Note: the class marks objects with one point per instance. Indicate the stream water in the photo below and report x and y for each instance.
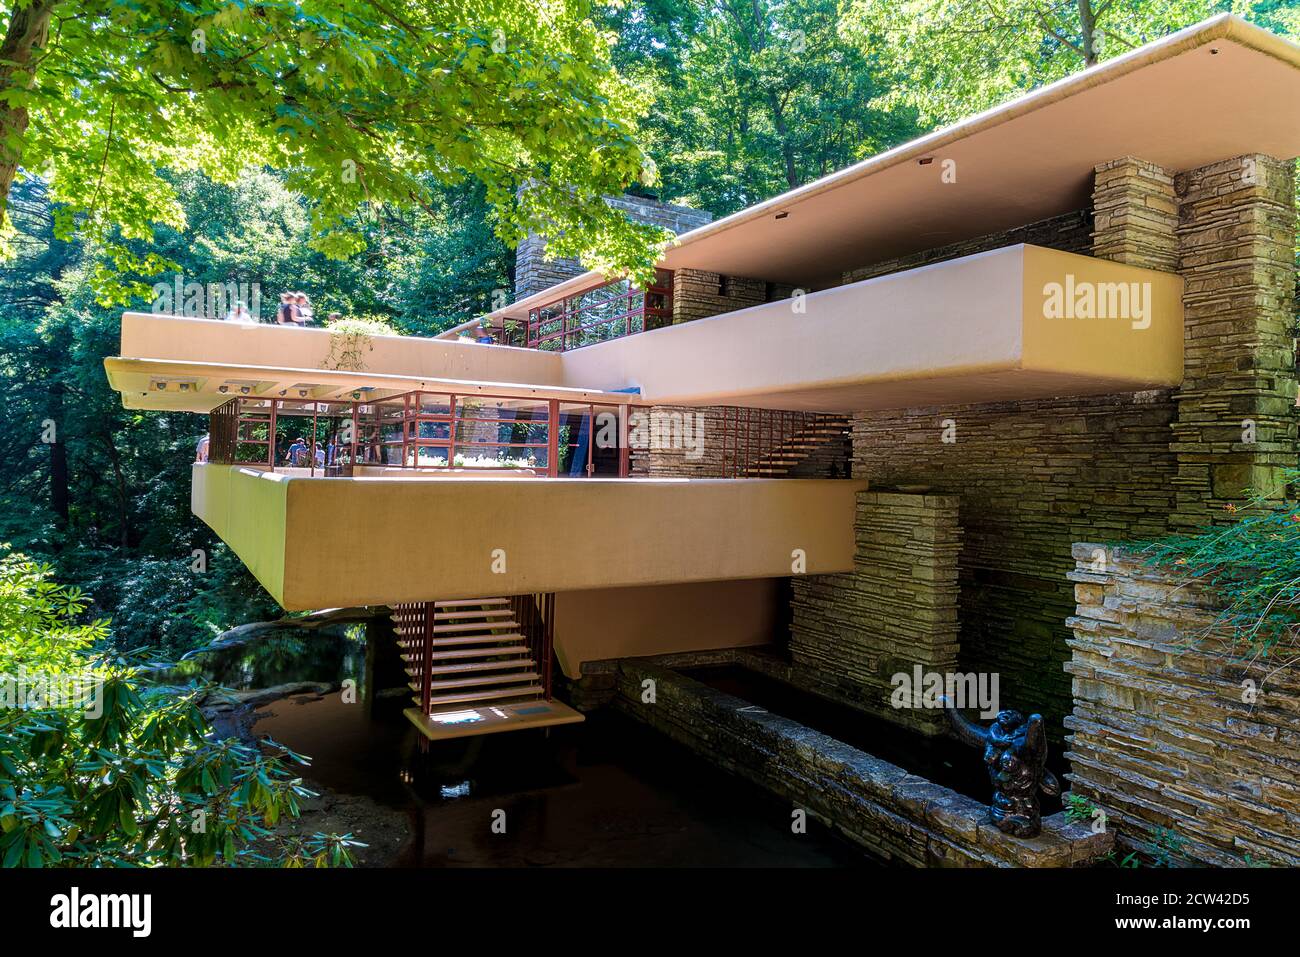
(604, 793)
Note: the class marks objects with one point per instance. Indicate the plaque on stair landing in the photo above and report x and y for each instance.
(456, 717)
(465, 723)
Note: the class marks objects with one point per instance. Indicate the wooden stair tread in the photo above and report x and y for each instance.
(495, 695)
(475, 626)
(474, 682)
(513, 637)
(514, 678)
(511, 650)
(471, 613)
(475, 666)
(466, 602)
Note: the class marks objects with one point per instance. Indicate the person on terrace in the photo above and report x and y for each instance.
(286, 314)
(296, 451)
(303, 306)
(239, 313)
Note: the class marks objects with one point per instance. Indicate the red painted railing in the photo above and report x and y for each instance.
(610, 310)
(425, 431)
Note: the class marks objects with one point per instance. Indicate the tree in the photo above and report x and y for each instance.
(752, 97)
(365, 105)
(99, 769)
(954, 58)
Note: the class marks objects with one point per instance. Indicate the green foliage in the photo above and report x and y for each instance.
(1164, 849)
(98, 769)
(365, 107)
(1078, 809)
(751, 99)
(954, 58)
(350, 340)
(1253, 563)
(108, 502)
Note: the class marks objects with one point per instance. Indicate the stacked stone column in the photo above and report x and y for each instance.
(1236, 426)
(1229, 229)
(852, 633)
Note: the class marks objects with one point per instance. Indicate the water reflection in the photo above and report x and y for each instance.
(605, 793)
(326, 655)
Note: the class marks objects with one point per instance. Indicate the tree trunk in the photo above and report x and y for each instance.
(783, 134)
(28, 28)
(1088, 31)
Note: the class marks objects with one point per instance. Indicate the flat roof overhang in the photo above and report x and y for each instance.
(326, 542)
(975, 329)
(193, 359)
(1219, 89)
(205, 354)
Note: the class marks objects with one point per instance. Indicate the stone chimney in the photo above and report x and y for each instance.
(534, 272)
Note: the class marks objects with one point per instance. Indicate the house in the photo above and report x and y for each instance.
(883, 407)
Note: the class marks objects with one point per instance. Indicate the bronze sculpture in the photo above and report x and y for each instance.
(1015, 752)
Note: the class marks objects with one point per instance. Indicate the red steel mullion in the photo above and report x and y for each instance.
(406, 418)
(270, 446)
(356, 439)
(426, 658)
(591, 440)
(547, 639)
(451, 434)
(624, 454)
(552, 438)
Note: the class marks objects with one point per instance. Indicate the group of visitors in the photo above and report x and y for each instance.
(299, 453)
(294, 309)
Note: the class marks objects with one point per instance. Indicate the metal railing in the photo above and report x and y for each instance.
(536, 616)
(760, 443)
(424, 431)
(610, 310)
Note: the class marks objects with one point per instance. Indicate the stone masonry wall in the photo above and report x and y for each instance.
(898, 608)
(1033, 477)
(1135, 214)
(1071, 233)
(534, 272)
(899, 817)
(698, 294)
(1236, 238)
(1163, 732)
(1036, 476)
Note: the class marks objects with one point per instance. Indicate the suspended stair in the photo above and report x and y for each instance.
(770, 443)
(479, 665)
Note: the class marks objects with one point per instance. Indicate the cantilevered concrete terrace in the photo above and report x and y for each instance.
(384, 539)
(1019, 322)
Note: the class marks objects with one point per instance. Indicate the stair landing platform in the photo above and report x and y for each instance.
(488, 719)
